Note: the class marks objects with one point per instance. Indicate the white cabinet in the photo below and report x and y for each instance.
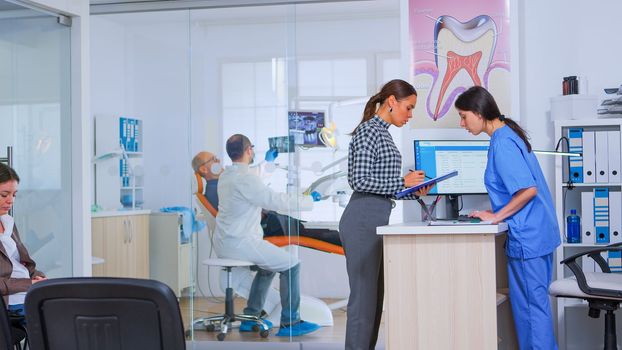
(118, 162)
(575, 329)
(170, 257)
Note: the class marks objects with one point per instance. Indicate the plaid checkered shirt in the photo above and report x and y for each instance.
(374, 162)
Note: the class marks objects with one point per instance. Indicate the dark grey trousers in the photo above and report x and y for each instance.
(363, 248)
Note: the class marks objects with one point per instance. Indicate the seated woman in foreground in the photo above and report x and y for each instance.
(17, 269)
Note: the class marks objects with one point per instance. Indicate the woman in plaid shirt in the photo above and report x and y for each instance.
(374, 173)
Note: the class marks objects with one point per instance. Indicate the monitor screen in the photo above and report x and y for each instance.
(283, 144)
(305, 126)
(441, 157)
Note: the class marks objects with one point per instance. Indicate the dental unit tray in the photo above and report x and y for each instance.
(433, 181)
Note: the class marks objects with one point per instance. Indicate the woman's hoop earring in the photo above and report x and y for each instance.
(390, 109)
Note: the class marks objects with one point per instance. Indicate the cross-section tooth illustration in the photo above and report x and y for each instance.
(463, 54)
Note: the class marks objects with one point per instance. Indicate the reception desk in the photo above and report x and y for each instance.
(446, 287)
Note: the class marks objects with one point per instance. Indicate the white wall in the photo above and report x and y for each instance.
(560, 38)
(141, 69)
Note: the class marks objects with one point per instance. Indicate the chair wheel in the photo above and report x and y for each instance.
(221, 336)
(264, 334)
(210, 328)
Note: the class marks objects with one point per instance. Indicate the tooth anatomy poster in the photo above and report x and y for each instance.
(455, 45)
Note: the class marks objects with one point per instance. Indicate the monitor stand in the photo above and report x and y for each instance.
(453, 205)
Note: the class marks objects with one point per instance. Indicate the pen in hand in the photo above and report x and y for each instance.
(426, 176)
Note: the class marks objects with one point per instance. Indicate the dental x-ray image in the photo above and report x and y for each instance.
(283, 144)
(304, 127)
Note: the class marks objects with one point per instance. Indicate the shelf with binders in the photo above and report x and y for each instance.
(119, 171)
(595, 166)
(591, 184)
(131, 134)
(600, 210)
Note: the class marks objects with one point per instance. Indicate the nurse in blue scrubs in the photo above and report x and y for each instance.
(519, 196)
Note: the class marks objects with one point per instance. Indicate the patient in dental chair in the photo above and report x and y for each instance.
(208, 166)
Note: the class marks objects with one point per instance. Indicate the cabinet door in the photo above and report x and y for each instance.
(97, 245)
(183, 270)
(138, 246)
(110, 236)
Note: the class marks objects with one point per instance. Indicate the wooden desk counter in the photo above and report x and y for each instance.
(442, 285)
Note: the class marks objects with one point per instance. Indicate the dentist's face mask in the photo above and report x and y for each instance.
(253, 152)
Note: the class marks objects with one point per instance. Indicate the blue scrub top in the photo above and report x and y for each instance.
(533, 230)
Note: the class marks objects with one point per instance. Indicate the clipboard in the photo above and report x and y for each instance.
(429, 182)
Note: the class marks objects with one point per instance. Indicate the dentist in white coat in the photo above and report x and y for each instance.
(238, 235)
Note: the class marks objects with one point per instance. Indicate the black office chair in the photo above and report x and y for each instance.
(103, 313)
(11, 335)
(602, 290)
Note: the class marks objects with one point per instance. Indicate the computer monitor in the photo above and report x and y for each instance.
(305, 126)
(441, 157)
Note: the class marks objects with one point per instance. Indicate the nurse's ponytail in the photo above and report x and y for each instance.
(517, 129)
(478, 100)
(397, 87)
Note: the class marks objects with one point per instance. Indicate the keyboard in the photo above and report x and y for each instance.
(466, 218)
(457, 222)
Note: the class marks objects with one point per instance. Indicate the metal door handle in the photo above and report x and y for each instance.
(126, 233)
(131, 223)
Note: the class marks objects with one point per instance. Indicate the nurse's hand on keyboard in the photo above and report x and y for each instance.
(484, 215)
(467, 218)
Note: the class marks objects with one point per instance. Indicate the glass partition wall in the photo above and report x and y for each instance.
(196, 77)
(35, 124)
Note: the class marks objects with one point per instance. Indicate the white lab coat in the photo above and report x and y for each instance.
(238, 233)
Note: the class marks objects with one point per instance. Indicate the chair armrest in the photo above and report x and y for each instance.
(571, 262)
(604, 267)
(594, 253)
